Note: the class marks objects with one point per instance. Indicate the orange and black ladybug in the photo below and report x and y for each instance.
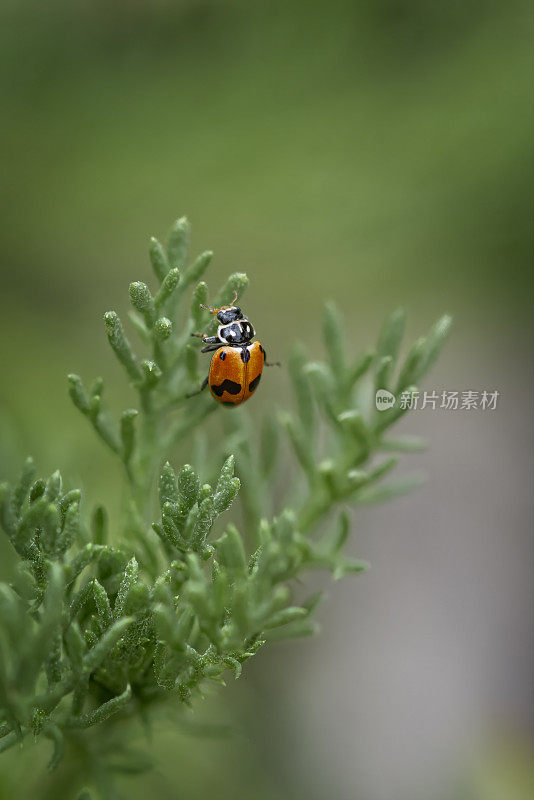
(237, 362)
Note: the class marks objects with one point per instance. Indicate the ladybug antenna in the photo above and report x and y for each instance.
(216, 310)
(207, 308)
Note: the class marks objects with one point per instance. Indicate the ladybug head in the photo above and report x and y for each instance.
(226, 314)
(229, 314)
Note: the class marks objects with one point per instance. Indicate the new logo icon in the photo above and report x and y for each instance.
(384, 400)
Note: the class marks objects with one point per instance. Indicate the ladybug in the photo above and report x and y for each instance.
(237, 362)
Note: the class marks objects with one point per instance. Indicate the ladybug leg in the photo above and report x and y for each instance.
(269, 363)
(207, 339)
(204, 384)
(212, 347)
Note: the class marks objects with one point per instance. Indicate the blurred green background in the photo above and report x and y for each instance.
(375, 151)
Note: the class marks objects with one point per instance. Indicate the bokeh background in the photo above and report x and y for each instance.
(375, 151)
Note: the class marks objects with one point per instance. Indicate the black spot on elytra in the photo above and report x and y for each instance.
(245, 355)
(252, 385)
(226, 386)
(222, 355)
(264, 353)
